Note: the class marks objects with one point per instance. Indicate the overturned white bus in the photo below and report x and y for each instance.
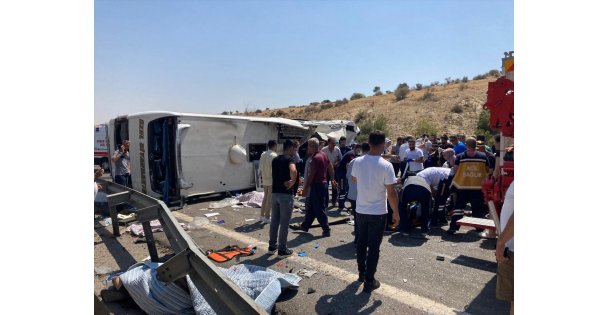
(178, 155)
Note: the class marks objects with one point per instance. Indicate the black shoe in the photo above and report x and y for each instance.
(286, 252)
(272, 249)
(361, 277)
(371, 286)
(451, 231)
(326, 234)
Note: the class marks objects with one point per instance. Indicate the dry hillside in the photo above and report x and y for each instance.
(403, 116)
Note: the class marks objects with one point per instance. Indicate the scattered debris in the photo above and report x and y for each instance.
(305, 273)
(404, 280)
(224, 203)
(107, 221)
(351, 222)
(342, 241)
(302, 253)
(249, 220)
(221, 221)
(204, 209)
(139, 240)
(146, 259)
(209, 215)
(311, 290)
(410, 258)
(317, 245)
(237, 206)
(280, 264)
(291, 270)
(441, 258)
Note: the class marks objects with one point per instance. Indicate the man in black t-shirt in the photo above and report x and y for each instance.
(284, 177)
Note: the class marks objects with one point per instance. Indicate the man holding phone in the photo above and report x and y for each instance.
(122, 163)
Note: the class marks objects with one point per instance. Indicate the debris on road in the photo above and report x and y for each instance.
(305, 273)
(404, 280)
(302, 253)
(249, 220)
(311, 290)
(317, 245)
(209, 215)
(441, 258)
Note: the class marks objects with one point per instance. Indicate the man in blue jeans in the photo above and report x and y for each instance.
(122, 163)
(284, 177)
(375, 179)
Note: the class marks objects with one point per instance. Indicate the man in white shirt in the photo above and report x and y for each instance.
(266, 177)
(436, 177)
(411, 156)
(335, 156)
(375, 180)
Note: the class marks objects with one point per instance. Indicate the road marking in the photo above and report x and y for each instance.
(404, 297)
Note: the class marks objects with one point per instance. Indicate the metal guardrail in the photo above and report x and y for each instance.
(219, 291)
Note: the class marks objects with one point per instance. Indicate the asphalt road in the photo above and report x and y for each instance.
(414, 280)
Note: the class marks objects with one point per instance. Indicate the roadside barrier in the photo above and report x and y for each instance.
(222, 295)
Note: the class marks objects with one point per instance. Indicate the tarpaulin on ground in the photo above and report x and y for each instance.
(153, 296)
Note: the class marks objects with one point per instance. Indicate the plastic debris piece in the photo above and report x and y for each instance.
(351, 222)
(305, 273)
(204, 209)
(108, 221)
(404, 280)
(249, 220)
(441, 258)
(280, 264)
(302, 254)
(221, 221)
(311, 290)
(410, 258)
(317, 245)
(209, 215)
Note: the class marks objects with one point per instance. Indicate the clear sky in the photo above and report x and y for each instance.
(211, 56)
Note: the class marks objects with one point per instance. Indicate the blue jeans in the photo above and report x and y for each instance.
(282, 208)
(123, 180)
(315, 207)
(371, 229)
(343, 185)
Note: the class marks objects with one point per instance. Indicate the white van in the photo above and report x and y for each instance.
(178, 155)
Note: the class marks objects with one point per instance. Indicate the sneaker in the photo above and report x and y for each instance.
(286, 252)
(370, 286)
(326, 233)
(272, 249)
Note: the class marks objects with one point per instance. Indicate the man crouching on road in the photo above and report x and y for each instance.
(375, 180)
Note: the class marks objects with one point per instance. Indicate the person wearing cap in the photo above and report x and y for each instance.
(122, 163)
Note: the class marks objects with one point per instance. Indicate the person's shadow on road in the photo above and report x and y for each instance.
(347, 301)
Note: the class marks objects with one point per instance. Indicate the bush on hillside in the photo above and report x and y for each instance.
(376, 89)
(425, 127)
(457, 109)
(327, 106)
(380, 123)
(326, 101)
(360, 116)
(258, 111)
(494, 73)
(378, 93)
(419, 86)
(357, 96)
(465, 79)
(428, 96)
(479, 77)
(402, 91)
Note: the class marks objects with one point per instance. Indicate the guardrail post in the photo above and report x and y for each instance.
(150, 241)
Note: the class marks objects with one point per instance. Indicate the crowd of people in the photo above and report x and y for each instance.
(421, 181)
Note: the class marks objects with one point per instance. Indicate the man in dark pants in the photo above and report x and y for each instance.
(122, 163)
(375, 179)
(470, 169)
(415, 188)
(284, 177)
(316, 183)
